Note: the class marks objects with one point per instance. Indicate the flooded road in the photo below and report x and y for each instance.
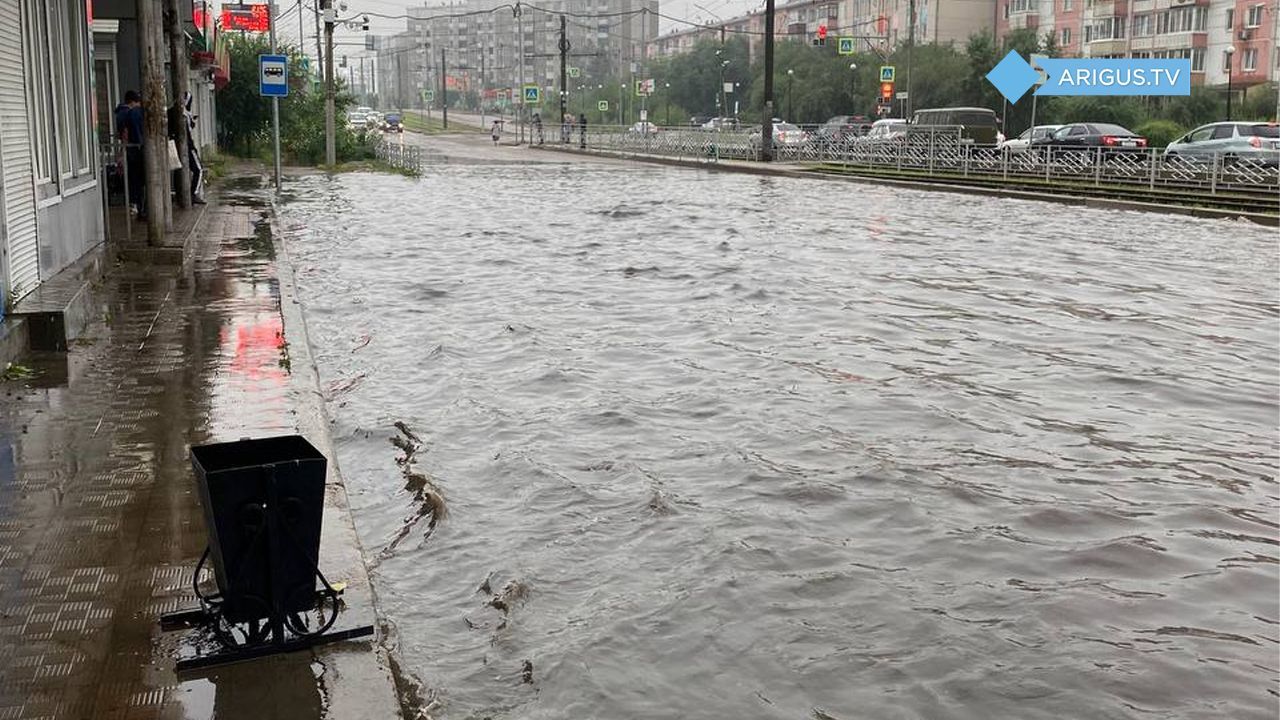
(722, 446)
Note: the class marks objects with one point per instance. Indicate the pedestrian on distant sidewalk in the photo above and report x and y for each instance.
(582, 123)
(495, 132)
(537, 126)
(566, 129)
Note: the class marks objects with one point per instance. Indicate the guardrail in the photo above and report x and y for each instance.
(943, 151)
(398, 154)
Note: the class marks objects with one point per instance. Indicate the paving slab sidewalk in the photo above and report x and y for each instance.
(100, 525)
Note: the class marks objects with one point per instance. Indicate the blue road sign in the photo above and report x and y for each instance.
(273, 75)
(532, 95)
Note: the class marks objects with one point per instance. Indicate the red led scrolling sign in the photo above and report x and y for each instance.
(250, 18)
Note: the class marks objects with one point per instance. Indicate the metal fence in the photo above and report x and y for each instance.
(397, 154)
(944, 152)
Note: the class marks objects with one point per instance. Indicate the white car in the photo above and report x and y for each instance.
(884, 130)
(1023, 141)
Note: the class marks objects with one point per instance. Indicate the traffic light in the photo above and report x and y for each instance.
(886, 91)
(821, 36)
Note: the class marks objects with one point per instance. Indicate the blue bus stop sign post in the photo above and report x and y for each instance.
(273, 76)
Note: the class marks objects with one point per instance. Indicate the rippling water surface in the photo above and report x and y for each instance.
(774, 448)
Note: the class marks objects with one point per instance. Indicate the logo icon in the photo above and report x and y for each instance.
(1013, 77)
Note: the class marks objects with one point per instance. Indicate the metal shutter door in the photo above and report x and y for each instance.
(15, 159)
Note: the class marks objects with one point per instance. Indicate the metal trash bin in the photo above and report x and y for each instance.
(263, 500)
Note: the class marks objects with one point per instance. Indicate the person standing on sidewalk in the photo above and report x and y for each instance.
(582, 123)
(180, 112)
(537, 126)
(495, 132)
(129, 126)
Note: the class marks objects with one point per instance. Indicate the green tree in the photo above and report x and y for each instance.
(244, 117)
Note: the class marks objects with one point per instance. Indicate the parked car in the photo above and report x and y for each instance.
(784, 133)
(391, 123)
(884, 130)
(1023, 141)
(843, 129)
(978, 126)
(643, 127)
(721, 123)
(1087, 135)
(1232, 140)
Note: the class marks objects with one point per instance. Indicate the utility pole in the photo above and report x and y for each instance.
(317, 6)
(520, 89)
(766, 123)
(302, 33)
(911, 44)
(154, 145)
(275, 101)
(178, 59)
(724, 101)
(363, 93)
(444, 90)
(483, 84)
(330, 144)
(564, 57)
(644, 54)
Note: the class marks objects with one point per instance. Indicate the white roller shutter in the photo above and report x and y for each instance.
(19, 205)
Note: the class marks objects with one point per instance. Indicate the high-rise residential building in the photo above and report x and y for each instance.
(877, 24)
(474, 46)
(1201, 31)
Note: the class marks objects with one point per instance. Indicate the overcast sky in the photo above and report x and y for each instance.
(697, 11)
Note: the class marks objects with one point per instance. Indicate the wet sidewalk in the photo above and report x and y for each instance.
(100, 525)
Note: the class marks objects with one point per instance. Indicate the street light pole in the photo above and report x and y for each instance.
(667, 97)
(330, 146)
(791, 99)
(853, 88)
(1231, 51)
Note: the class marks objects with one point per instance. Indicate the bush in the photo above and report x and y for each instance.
(1160, 133)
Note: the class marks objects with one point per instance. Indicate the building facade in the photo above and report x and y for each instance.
(50, 196)
(476, 47)
(877, 25)
(1201, 31)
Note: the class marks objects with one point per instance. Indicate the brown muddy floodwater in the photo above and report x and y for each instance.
(721, 446)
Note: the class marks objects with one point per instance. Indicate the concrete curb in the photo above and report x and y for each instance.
(360, 684)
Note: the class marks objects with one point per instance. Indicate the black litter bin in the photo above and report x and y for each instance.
(263, 500)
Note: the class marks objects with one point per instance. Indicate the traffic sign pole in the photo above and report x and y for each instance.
(275, 101)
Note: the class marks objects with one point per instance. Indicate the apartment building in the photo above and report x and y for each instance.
(476, 45)
(877, 24)
(1202, 31)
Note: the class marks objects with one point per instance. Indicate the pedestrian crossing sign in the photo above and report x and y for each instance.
(602, 105)
(575, 72)
(532, 94)
(887, 73)
(428, 95)
(846, 46)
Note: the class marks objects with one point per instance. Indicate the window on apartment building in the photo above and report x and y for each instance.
(1255, 16)
(1197, 60)
(1249, 60)
(1141, 25)
(1231, 18)
(1226, 61)
(1066, 5)
(1066, 36)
